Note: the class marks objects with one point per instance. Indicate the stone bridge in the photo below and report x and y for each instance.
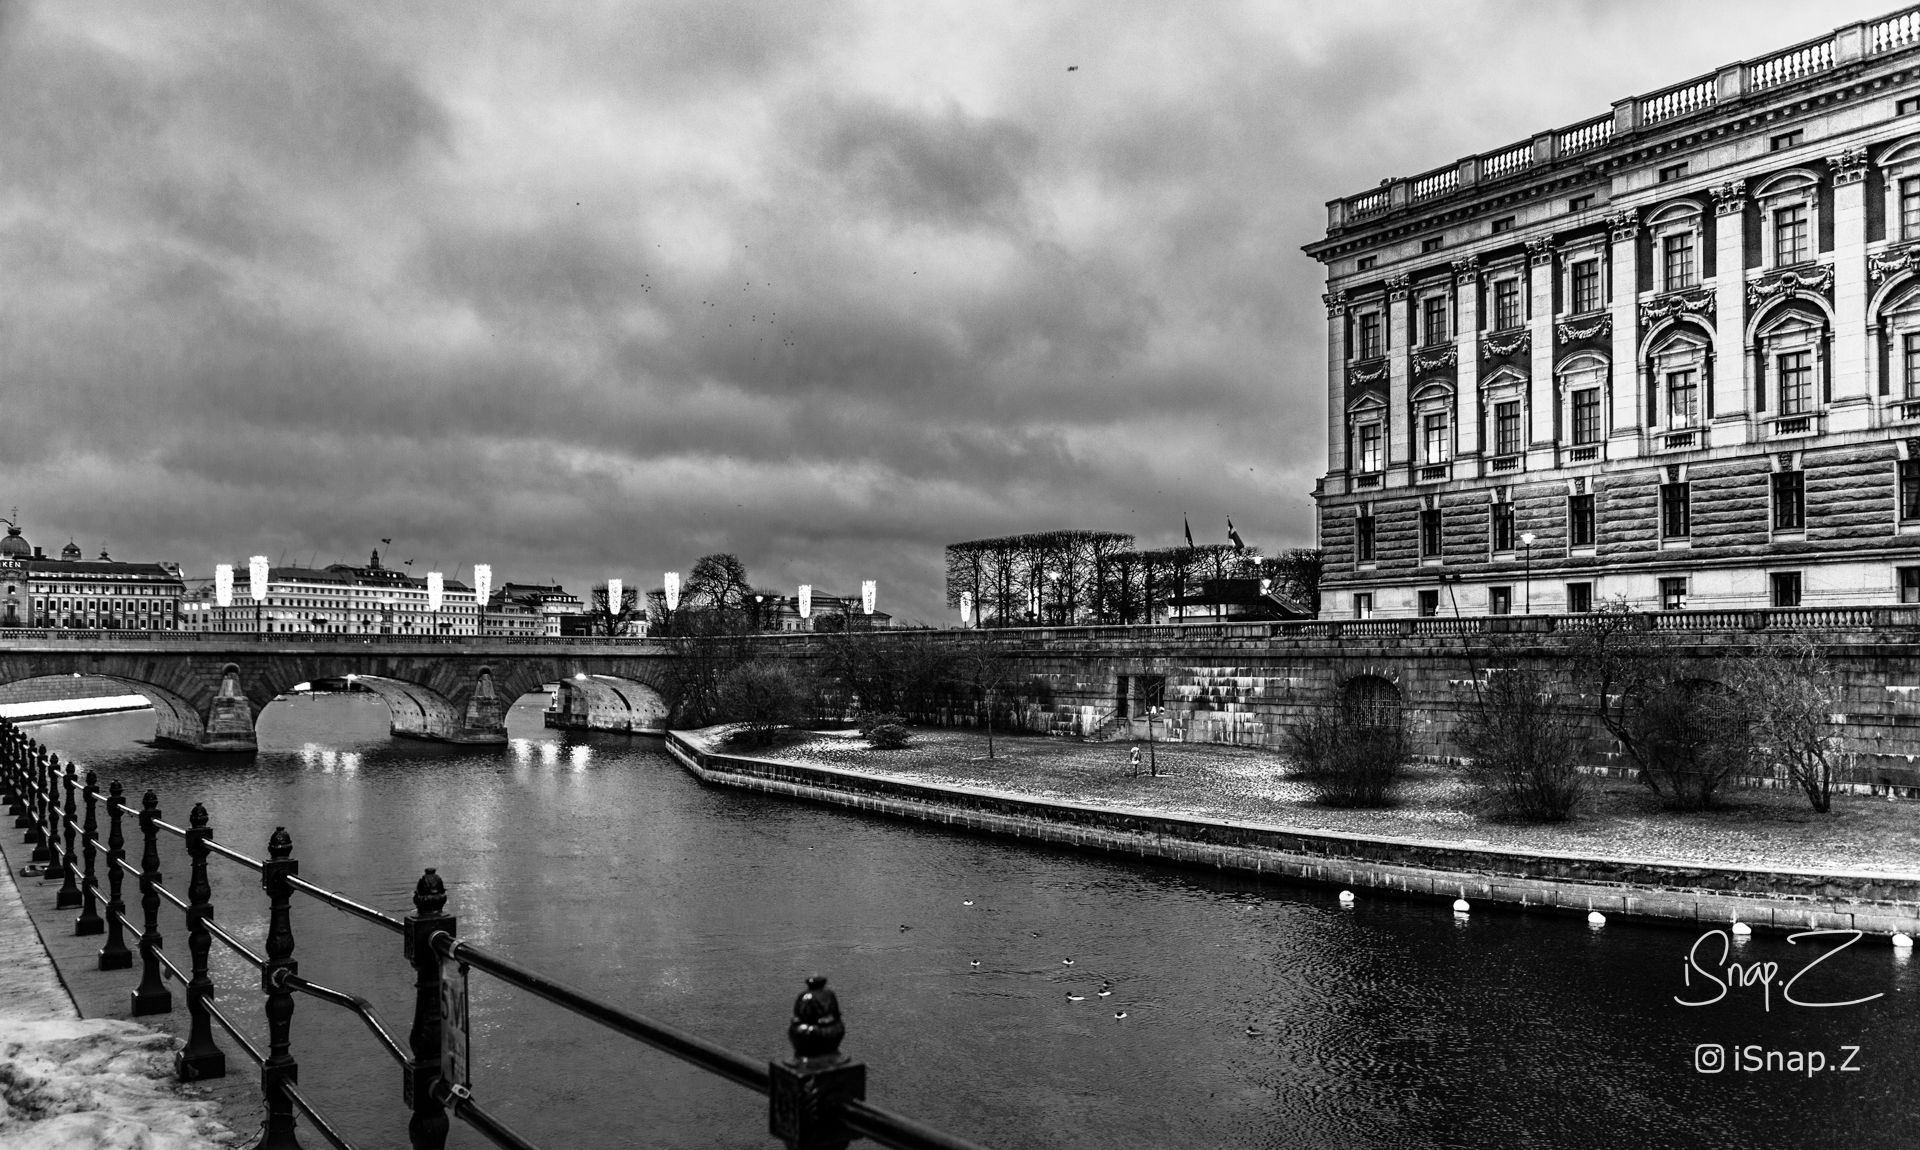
(208, 689)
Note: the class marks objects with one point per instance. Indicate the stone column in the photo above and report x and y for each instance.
(1732, 389)
(1540, 390)
(1852, 407)
(1399, 343)
(1336, 381)
(1466, 347)
(1628, 394)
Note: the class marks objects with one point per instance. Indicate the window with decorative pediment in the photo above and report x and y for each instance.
(1503, 396)
(1900, 165)
(1677, 244)
(1433, 415)
(1583, 384)
(1899, 324)
(1367, 434)
(1677, 371)
(1792, 348)
(1789, 216)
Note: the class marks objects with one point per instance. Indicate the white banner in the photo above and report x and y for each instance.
(614, 591)
(482, 583)
(866, 596)
(223, 585)
(806, 600)
(436, 591)
(257, 578)
(966, 606)
(673, 590)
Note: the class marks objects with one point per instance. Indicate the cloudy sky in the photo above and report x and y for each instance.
(590, 289)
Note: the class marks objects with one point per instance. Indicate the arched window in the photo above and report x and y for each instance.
(1583, 406)
(1679, 244)
(1433, 422)
(1789, 218)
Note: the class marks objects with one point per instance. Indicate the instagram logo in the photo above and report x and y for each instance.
(1709, 1058)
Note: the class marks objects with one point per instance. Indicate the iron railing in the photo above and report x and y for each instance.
(816, 1098)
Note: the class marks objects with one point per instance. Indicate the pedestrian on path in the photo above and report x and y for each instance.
(1136, 762)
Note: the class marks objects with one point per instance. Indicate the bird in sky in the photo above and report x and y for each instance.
(388, 542)
(1073, 67)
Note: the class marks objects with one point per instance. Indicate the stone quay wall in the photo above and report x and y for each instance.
(1697, 893)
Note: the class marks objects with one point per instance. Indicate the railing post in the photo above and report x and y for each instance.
(806, 1093)
(69, 896)
(38, 822)
(200, 1058)
(279, 1067)
(115, 955)
(89, 920)
(427, 1129)
(152, 995)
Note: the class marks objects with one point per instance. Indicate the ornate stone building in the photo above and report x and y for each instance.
(1671, 353)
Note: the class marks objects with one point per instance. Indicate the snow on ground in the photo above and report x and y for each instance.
(96, 1084)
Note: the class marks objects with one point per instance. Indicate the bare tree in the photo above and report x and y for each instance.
(987, 667)
(605, 618)
(719, 582)
(1789, 693)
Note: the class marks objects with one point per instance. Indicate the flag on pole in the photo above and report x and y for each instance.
(1238, 544)
(1189, 528)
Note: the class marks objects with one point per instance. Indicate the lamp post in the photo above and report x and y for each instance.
(1526, 541)
(759, 616)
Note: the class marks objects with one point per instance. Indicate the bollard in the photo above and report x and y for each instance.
(89, 921)
(807, 1092)
(115, 955)
(152, 995)
(279, 1067)
(200, 1058)
(69, 896)
(427, 1128)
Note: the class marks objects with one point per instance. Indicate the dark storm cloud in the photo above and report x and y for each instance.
(596, 290)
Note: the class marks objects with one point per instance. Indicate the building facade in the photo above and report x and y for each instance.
(98, 593)
(1670, 354)
(337, 599)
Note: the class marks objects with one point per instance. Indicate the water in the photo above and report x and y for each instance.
(1256, 1015)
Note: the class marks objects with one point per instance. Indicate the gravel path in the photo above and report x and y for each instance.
(1621, 819)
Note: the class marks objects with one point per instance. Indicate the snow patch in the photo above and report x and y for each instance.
(94, 1084)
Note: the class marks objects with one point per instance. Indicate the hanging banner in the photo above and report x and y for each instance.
(966, 606)
(673, 590)
(436, 591)
(806, 600)
(866, 596)
(257, 578)
(223, 585)
(482, 583)
(615, 590)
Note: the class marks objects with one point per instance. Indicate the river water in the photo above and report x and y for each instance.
(1255, 1015)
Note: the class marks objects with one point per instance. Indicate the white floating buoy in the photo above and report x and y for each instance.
(1346, 896)
(1461, 905)
(1903, 942)
(1596, 918)
(1741, 928)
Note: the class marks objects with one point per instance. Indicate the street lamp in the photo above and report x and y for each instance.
(1526, 541)
(759, 615)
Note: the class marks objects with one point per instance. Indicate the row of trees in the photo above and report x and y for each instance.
(1067, 577)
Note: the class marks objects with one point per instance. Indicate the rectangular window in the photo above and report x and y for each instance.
(1503, 224)
(1579, 598)
(1792, 235)
(1506, 428)
(1579, 203)
(1363, 605)
(1909, 490)
(1363, 539)
(1429, 603)
(1433, 319)
(1683, 398)
(1435, 437)
(1910, 365)
(1909, 584)
(1586, 415)
(1676, 521)
(1910, 208)
(1432, 244)
(1786, 588)
(1672, 172)
(1580, 520)
(1680, 272)
(1367, 446)
(1795, 371)
(1907, 107)
(1367, 263)
(1430, 533)
(1789, 500)
(1506, 304)
(1785, 140)
(1503, 527)
(1499, 600)
(1586, 286)
(1369, 335)
(1673, 594)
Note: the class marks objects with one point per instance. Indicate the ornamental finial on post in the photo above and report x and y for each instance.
(816, 1030)
(807, 1095)
(198, 818)
(429, 894)
(279, 843)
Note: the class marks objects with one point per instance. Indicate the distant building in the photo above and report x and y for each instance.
(74, 592)
(1244, 600)
(825, 613)
(553, 603)
(337, 599)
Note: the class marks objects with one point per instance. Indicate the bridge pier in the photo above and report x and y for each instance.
(226, 728)
(605, 703)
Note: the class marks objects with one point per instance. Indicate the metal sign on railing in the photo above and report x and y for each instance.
(454, 1031)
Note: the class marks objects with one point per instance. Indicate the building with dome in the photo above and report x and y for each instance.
(71, 591)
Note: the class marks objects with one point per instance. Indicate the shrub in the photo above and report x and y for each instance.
(762, 696)
(1522, 747)
(1350, 755)
(888, 737)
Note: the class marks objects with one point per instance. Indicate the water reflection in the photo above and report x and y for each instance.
(1255, 1015)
